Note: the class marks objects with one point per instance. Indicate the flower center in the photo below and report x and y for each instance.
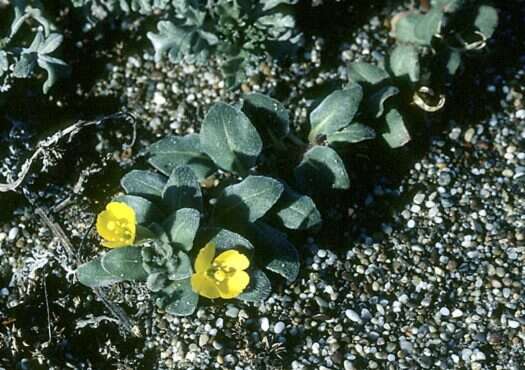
(120, 229)
(219, 272)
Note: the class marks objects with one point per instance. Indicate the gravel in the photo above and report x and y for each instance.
(428, 272)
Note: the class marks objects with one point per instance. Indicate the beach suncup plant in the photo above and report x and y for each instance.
(221, 240)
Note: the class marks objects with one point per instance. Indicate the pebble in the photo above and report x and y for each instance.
(279, 327)
(265, 324)
(232, 312)
(13, 233)
(352, 315)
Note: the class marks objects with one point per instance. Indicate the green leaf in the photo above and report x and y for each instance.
(404, 61)
(144, 183)
(182, 42)
(259, 288)
(54, 67)
(157, 281)
(174, 151)
(179, 268)
(297, 211)
(428, 26)
(182, 227)
(178, 298)
(454, 62)
(145, 211)
(248, 200)
(366, 72)
(321, 170)
(397, 134)
(156, 255)
(268, 115)
(354, 133)
(92, 274)
(144, 235)
(486, 20)
(405, 28)
(125, 263)
(25, 65)
(182, 190)
(234, 70)
(335, 112)
(279, 255)
(4, 62)
(448, 5)
(229, 138)
(376, 103)
(223, 239)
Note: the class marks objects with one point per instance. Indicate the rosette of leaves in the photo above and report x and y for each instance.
(255, 206)
(427, 49)
(432, 44)
(21, 61)
(239, 31)
(169, 211)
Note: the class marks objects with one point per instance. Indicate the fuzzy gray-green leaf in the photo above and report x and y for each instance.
(297, 211)
(280, 256)
(182, 227)
(397, 134)
(404, 61)
(146, 184)
(352, 134)
(125, 263)
(229, 138)
(336, 111)
(92, 274)
(366, 72)
(145, 210)
(376, 102)
(453, 62)
(182, 190)
(405, 29)
(156, 281)
(248, 200)
(267, 114)
(178, 298)
(428, 25)
(486, 20)
(179, 267)
(321, 170)
(4, 62)
(173, 151)
(223, 239)
(259, 288)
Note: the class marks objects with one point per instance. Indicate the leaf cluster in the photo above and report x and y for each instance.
(30, 41)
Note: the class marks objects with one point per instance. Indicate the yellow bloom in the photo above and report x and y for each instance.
(117, 225)
(223, 276)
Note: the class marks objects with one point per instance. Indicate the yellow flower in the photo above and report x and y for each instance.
(223, 276)
(117, 225)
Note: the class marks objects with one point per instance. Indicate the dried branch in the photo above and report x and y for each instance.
(45, 145)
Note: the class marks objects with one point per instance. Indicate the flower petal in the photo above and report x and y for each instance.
(121, 210)
(234, 285)
(115, 244)
(117, 225)
(233, 259)
(204, 258)
(204, 286)
(103, 219)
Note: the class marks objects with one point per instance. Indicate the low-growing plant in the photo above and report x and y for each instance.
(239, 32)
(430, 48)
(214, 191)
(29, 42)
